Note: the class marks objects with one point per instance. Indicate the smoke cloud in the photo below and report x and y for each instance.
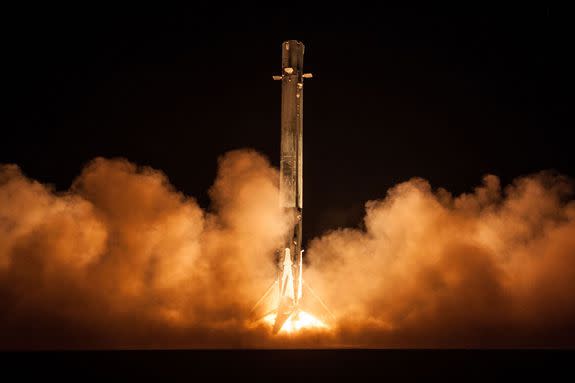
(123, 260)
(488, 269)
(122, 257)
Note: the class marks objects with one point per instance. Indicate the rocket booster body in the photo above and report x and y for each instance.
(291, 159)
(289, 283)
(291, 178)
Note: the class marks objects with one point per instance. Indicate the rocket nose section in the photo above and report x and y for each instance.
(293, 44)
(292, 56)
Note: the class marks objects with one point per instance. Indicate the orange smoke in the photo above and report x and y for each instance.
(122, 253)
(124, 260)
(490, 268)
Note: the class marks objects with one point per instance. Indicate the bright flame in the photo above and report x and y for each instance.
(296, 322)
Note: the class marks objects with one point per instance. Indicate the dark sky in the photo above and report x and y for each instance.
(444, 94)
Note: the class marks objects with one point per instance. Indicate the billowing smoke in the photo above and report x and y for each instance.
(124, 260)
(122, 257)
(493, 268)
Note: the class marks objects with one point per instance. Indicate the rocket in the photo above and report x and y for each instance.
(290, 281)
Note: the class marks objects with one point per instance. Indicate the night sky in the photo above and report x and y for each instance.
(444, 94)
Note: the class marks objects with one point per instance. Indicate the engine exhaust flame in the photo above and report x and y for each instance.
(296, 322)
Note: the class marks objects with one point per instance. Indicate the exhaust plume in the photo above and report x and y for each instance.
(122, 259)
